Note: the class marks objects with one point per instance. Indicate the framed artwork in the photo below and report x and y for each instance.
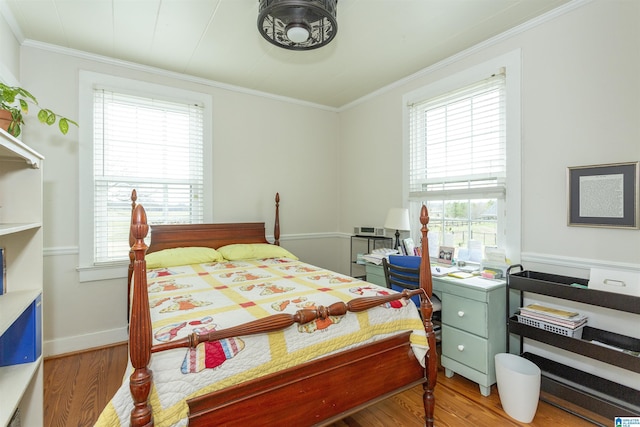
(446, 254)
(603, 195)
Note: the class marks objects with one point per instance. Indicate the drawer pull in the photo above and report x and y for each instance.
(461, 313)
(460, 347)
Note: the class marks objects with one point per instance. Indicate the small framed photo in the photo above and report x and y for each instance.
(603, 195)
(446, 254)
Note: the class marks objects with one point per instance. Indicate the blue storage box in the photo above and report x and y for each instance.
(22, 342)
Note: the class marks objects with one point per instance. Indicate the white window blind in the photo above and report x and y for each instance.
(154, 146)
(457, 143)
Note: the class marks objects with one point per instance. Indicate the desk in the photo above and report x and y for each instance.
(473, 324)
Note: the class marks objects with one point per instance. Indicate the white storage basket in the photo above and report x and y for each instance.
(550, 327)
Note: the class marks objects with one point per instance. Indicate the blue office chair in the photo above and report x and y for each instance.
(403, 272)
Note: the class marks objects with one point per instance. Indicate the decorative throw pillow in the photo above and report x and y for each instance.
(182, 256)
(240, 251)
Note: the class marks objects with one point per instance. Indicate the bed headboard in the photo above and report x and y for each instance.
(208, 235)
(205, 235)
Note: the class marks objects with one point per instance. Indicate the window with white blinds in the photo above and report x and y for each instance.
(154, 146)
(457, 166)
(457, 143)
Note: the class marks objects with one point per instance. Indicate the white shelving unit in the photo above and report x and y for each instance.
(22, 238)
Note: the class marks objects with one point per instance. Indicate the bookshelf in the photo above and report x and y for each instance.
(21, 237)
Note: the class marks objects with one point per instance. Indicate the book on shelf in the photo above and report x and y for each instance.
(571, 324)
(408, 246)
(550, 311)
(567, 319)
(3, 275)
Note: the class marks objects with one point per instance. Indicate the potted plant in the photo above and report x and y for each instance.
(14, 102)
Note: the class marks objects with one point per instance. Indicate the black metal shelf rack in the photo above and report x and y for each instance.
(599, 395)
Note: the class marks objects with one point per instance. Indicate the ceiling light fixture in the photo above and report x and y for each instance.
(298, 24)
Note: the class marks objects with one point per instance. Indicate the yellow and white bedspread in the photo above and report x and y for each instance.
(204, 297)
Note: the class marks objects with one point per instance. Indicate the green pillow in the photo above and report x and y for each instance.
(182, 256)
(240, 251)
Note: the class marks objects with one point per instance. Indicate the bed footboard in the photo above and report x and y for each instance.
(315, 393)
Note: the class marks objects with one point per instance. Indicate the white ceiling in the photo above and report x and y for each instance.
(378, 41)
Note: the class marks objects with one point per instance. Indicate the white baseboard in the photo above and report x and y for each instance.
(83, 342)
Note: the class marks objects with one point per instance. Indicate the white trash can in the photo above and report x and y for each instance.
(518, 386)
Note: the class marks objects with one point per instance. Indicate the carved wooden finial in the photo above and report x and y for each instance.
(424, 216)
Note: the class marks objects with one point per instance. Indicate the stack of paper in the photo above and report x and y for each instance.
(439, 270)
(460, 274)
(378, 255)
(564, 318)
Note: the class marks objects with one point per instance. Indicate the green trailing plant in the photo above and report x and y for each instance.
(16, 101)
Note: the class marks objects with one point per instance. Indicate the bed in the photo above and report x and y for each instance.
(318, 388)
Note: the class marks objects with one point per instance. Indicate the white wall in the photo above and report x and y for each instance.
(10, 48)
(580, 106)
(261, 145)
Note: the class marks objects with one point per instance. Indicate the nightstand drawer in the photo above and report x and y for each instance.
(375, 274)
(465, 314)
(465, 348)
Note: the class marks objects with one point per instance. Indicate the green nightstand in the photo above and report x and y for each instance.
(375, 274)
(473, 324)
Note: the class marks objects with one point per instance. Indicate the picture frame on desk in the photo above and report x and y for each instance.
(603, 195)
(446, 254)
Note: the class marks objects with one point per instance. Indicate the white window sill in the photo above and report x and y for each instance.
(103, 272)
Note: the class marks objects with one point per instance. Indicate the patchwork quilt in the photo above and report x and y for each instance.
(205, 297)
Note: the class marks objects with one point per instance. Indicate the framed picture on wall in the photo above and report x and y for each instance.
(603, 195)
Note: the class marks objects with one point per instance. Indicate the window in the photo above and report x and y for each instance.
(146, 141)
(151, 145)
(457, 163)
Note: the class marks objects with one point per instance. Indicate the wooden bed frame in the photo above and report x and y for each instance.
(316, 393)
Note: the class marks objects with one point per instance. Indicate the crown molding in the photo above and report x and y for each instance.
(170, 74)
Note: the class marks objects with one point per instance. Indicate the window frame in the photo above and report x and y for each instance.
(88, 270)
(511, 62)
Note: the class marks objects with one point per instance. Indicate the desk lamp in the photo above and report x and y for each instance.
(398, 219)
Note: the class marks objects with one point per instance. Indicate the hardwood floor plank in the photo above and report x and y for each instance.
(77, 387)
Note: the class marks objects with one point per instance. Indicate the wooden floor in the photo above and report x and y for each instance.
(78, 386)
